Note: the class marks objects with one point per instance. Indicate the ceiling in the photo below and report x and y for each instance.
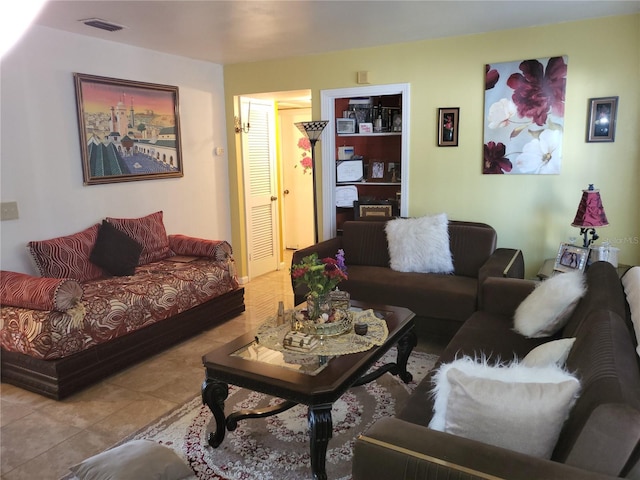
(227, 32)
(238, 31)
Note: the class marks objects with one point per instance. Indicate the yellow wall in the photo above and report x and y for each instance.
(531, 212)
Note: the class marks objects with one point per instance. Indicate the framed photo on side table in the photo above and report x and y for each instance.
(571, 257)
(448, 120)
(601, 122)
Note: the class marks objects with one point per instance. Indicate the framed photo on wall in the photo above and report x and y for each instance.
(128, 130)
(571, 257)
(601, 121)
(448, 121)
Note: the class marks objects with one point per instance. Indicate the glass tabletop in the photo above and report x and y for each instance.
(308, 364)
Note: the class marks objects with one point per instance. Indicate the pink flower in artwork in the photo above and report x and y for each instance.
(304, 143)
(306, 164)
(495, 161)
(538, 92)
(491, 77)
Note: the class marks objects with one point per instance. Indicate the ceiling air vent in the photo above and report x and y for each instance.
(102, 24)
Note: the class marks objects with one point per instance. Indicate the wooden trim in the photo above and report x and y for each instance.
(427, 458)
(505, 272)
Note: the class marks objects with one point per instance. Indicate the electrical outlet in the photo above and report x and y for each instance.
(9, 211)
(219, 151)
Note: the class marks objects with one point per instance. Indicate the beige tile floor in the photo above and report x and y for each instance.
(40, 438)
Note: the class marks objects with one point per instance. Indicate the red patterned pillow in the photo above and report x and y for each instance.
(185, 245)
(149, 232)
(38, 293)
(67, 257)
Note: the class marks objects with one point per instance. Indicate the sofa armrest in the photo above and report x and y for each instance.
(39, 293)
(503, 262)
(326, 248)
(502, 296)
(393, 448)
(186, 245)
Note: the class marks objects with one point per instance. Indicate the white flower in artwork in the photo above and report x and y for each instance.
(501, 113)
(542, 154)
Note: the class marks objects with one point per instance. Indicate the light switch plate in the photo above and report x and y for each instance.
(8, 210)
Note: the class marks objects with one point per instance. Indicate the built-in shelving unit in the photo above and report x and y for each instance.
(381, 151)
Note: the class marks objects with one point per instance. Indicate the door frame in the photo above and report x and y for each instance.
(327, 110)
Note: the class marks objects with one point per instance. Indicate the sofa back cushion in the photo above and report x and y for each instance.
(603, 430)
(604, 292)
(68, 256)
(365, 243)
(149, 232)
(471, 245)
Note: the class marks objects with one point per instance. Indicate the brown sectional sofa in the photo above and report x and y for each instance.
(441, 302)
(601, 437)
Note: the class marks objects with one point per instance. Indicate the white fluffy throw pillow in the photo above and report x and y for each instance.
(420, 244)
(547, 309)
(631, 283)
(510, 406)
(550, 353)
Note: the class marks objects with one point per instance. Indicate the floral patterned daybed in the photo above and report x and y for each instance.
(108, 296)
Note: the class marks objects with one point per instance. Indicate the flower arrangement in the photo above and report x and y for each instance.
(320, 275)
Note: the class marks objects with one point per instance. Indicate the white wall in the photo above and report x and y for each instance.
(40, 163)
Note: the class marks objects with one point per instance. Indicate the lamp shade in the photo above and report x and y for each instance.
(312, 130)
(590, 211)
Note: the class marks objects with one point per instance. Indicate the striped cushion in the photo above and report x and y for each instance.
(25, 291)
(149, 232)
(185, 245)
(67, 257)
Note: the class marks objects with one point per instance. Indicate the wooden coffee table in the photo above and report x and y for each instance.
(318, 387)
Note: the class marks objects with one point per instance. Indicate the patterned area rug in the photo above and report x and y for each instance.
(278, 447)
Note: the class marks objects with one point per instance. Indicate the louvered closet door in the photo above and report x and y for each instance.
(259, 157)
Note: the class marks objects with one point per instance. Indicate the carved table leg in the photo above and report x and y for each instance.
(214, 394)
(320, 431)
(405, 346)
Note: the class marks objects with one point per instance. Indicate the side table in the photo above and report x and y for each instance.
(546, 270)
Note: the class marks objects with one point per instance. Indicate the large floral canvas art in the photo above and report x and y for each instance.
(524, 116)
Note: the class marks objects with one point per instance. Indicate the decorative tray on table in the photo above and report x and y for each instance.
(339, 322)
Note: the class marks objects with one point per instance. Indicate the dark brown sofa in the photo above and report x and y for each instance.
(441, 302)
(601, 437)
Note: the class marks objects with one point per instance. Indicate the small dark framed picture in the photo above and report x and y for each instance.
(601, 121)
(448, 121)
(571, 257)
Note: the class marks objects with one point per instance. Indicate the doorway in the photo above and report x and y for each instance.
(278, 188)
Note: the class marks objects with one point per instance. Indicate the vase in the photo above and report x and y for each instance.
(317, 305)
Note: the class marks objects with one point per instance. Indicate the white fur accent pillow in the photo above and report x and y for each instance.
(550, 353)
(420, 244)
(631, 283)
(510, 406)
(547, 309)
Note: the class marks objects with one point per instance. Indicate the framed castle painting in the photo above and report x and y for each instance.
(128, 130)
